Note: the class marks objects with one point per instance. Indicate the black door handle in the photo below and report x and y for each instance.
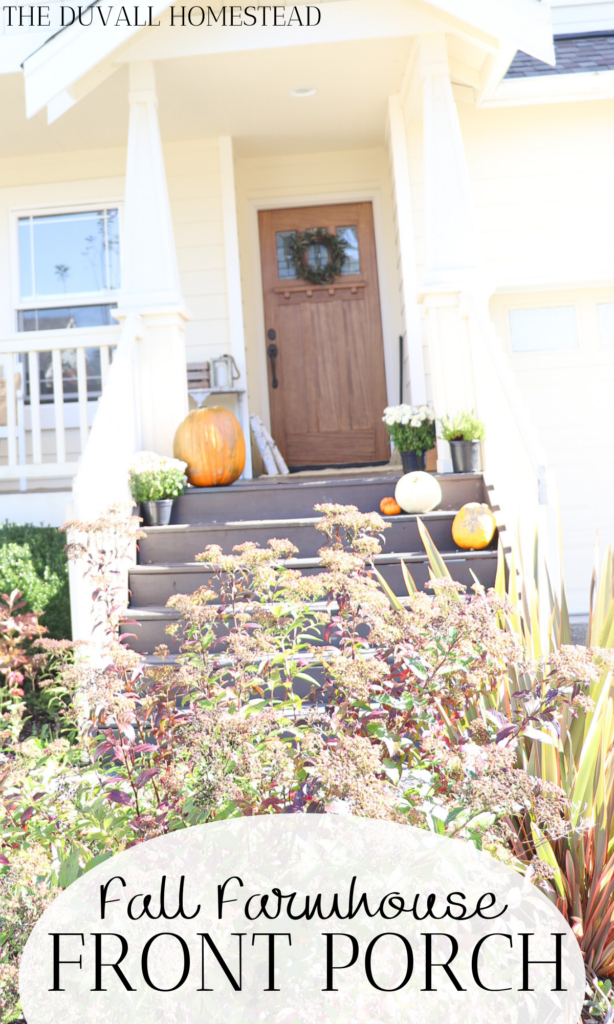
(272, 353)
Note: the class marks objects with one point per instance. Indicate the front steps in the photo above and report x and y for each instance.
(258, 510)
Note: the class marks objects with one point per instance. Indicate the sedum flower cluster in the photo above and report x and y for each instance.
(153, 477)
(411, 427)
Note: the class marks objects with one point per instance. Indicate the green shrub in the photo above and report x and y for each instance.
(33, 560)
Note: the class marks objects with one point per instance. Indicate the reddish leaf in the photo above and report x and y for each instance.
(146, 776)
(142, 748)
(3, 859)
(27, 814)
(118, 797)
(103, 748)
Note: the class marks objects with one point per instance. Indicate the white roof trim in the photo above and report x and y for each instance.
(77, 58)
(572, 88)
(526, 23)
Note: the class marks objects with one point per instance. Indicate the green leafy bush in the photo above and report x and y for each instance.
(33, 560)
(465, 426)
(153, 477)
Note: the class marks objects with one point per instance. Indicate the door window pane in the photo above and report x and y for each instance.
(352, 263)
(285, 266)
(606, 322)
(317, 254)
(543, 330)
(69, 253)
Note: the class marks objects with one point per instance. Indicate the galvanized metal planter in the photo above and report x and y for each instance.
(157, 513)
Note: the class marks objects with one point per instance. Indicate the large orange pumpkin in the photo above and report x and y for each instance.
(211, 442)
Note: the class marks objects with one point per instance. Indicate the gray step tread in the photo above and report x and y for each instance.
(300, 563)
(275, 523)
(322, 477)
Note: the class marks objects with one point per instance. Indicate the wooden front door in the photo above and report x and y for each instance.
(327, 384)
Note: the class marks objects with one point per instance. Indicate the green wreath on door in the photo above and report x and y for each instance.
(337, 257)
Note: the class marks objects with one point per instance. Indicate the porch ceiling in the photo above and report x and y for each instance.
(245, 95)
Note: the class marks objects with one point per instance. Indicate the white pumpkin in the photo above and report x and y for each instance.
(418, 492)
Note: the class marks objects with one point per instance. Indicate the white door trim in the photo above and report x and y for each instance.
(324, 199)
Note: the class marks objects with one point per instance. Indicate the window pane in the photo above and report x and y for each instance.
(65, 316)
(94, 376)
(45, 373)
(69, 375)
(25, 257)
(285, 266)
(352, 263)
(543, 330)
(73, 252)
(113, 249)
(606, 322)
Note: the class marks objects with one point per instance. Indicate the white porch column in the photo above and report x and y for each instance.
(233, 285)
(150, 275)
(451, 237)
(397, 138)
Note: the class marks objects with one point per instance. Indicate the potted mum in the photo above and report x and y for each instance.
(412, 429)
(155, 482)
(464, 433)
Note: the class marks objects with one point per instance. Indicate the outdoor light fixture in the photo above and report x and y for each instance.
(306, 90)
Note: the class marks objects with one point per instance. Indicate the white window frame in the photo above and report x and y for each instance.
(100, 298)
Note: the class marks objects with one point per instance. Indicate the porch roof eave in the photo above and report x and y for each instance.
(77, 58)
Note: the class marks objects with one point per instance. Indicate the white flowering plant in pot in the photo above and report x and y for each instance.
(155, 478)
(155, 481)
(411, 427)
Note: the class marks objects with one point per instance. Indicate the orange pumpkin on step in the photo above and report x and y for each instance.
(389, 507)
(211, 442)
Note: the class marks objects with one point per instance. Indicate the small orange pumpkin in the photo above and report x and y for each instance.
(211, 442)
(389, 507)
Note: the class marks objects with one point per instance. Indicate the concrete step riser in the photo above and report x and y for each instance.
(155, 588)
(294, 500)
(168, 545)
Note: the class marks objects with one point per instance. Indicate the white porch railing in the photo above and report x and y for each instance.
(49, 409)
(102, 477)
(516, 462)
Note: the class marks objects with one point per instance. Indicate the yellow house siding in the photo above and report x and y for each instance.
(542, 184)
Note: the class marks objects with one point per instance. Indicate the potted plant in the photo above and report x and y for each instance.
(412, 429)
(155, 482)
(464, 433)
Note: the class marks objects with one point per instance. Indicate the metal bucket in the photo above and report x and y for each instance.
(157, 513)
(411, 461)
(465, 456)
